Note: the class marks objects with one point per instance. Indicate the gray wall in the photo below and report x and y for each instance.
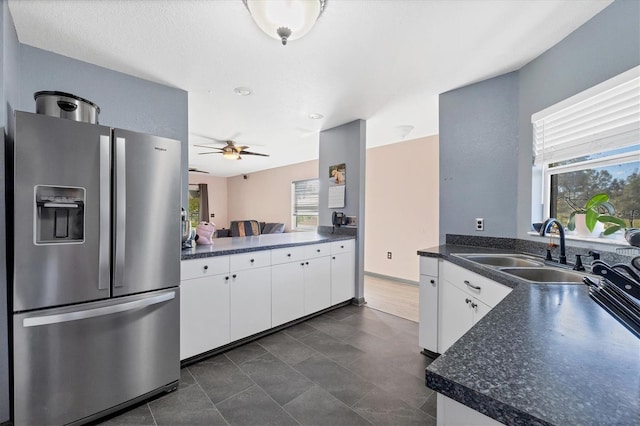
(607, 45)
(9, 82)
(125, 102)
(481, 168)
(478, 148)
(345, 144)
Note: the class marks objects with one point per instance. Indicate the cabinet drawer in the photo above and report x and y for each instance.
(317, 250)
(429, 266)
(342, 246)
(198, 268)
(484, 289)
(251, 260)
(286, 255)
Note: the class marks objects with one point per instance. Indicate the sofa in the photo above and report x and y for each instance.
(246, 228)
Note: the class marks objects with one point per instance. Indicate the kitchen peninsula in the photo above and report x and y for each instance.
(546, 354)
(240, 288)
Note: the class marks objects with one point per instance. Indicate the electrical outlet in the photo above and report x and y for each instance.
(352, 221)
(479, 224)
(388, 255)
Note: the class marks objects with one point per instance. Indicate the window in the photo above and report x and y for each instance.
(304, 204)
(194, 205)
(588, 144)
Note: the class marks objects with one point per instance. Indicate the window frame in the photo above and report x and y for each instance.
(609, 135)
(295, 212)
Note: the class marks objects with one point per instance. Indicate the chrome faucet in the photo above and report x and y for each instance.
(545, 228)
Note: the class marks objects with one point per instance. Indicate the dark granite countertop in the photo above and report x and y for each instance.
(235, 245)
(547, 355)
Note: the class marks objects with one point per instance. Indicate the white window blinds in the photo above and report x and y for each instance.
(305, 197)
(602, 118)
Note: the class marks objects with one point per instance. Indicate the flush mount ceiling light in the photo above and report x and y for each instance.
(243, 91)
(315, 116)
(285, 20)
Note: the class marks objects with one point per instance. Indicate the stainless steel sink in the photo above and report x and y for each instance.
(516, 260)
(546, 275)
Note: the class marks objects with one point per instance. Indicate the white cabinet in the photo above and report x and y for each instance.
(250, 302)
(452, 413)
(317, 284)
(428, 304)
(343, 284)
(204, 314)
(465, 297)
(204, 305)
(287, 292)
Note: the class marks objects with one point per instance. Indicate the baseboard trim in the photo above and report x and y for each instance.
(390, 278)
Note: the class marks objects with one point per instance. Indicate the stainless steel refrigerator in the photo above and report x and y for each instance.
(96, 267)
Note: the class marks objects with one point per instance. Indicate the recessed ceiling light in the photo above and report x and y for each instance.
(243, 91)
(315, 116)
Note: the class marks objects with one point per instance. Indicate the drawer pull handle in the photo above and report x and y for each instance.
(432, 282)
(334, 258)
(206, 267)
(467, 301)
(474, 305)
(233, 276)
(318, 250)
(302, 264)
(475, 287)
(306, 263)
(226, 278)
(252, 260)
(288, 254)
(341, 246)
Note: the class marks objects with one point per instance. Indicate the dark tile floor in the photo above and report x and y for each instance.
(350, 366)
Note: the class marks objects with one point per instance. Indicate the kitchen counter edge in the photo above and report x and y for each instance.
(236, 245)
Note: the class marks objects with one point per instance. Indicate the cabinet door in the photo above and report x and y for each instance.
(428, 302)
(317, 284)
(342, 277)
(287, 292)
(479, 309)
(455, 315)
(250, 307)
(204, 314)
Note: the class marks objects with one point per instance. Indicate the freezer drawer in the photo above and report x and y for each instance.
(71, 363)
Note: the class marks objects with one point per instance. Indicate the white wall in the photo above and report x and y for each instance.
(402, 199)
(266, 195)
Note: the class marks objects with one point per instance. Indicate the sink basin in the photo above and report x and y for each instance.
(546, 275)
(503, 260)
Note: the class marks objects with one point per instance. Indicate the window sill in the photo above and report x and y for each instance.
(619, 243)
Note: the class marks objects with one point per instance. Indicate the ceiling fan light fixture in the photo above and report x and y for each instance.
(285, 20)
(315, 116)
(231, 155)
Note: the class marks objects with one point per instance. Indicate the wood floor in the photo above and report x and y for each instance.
(392, 297)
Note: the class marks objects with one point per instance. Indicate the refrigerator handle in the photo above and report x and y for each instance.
(121, 212)
(97, 312)
(105, 213)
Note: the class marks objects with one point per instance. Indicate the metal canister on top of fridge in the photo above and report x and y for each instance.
(66, 105)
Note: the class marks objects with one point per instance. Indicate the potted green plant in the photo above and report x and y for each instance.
(596, 210)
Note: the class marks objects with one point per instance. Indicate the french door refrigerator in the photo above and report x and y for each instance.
(96, 267)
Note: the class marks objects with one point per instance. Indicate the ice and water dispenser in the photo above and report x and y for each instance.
(59, 214)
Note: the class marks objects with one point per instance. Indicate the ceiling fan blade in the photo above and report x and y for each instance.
(208, 147)
(208, 137)
(214, 152)
(253, 153)
(195, 170)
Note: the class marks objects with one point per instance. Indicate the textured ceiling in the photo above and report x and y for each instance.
(385, 61)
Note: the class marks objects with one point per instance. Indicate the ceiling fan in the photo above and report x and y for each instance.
(231, 151)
